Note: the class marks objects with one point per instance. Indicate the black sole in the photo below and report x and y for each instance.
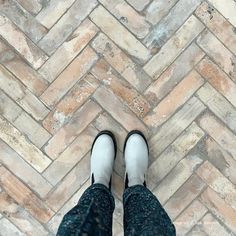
(107, 132)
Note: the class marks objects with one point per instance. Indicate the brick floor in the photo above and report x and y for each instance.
(71, 68)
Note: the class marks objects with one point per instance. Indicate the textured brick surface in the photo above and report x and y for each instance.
(69, 69)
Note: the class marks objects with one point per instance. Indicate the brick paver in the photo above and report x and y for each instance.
(69, 69)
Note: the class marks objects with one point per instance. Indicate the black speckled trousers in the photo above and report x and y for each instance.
(143, 214)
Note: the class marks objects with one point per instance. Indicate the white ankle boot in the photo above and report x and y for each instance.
(136, 158)
(102, 158)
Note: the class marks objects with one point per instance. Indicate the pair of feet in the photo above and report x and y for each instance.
(103, 154)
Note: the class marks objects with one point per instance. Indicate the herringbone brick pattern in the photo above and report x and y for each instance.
(71, 68)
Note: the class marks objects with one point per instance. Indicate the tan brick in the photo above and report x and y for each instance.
(218, 79)
(135, 22)
(106, 122)
(218, 105)
(158, 9)
(174, 126)
(20, 217)
(219, 208)
(174, 153)
(54, 9)
(33, 6)
(227, 9)
(122, 114)
(66, 25)
(135, 101)
(219, 133)
(24, 196)
(139, 5)
(22, 19)
(57, 218)
(218, 52)
(67, 79)
(184, 196)
(70, 184)
(71, 156)
(19, 143)
(170, 23)
(168, 53)
(75, 98)
(189, 217)
(212, 227)
(174, 74)
(26, 47)
(29, 77)
(221, 159)
(68, 50)
(175, 99)
(23, 97)
(176, 178)
(68, 133)
(218, 25)
(110, 26)
(133, 73)
(219, 183)
(118, 185)
(10, 159)
(7, 228)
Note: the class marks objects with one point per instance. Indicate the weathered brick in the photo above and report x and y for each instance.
(71, 156)
(218, 79)
(219, 133)
(68, 133)
(24, 196)
(18, 92)
(218, 52)
(218, 25)
(220, 184)
(135, 101)
(190, 217)
(174, 74)
(158, 9)
(227, 9)
(175, 99)
(122, 114)
(7, 228)
(135, 22)
(33, 6)
(25, 21)
(169, 52)
(133, 73)
(66, 25)
(101, 17)
(26, 47)
(52, 12)
(174, 153)
(219, 208)
(177, 177)
(20, 217)
(184, 196)
(139, 5)
(170, 23)
(218, 105)
(174, 126)
(221, 159)
(70, 184)
(67, 79)
(19, 143)
(68, 50)
(75, 98)
(29, 77)
(25, 172)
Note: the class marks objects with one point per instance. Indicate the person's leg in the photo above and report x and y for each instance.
(93, 213)
(143, 213)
